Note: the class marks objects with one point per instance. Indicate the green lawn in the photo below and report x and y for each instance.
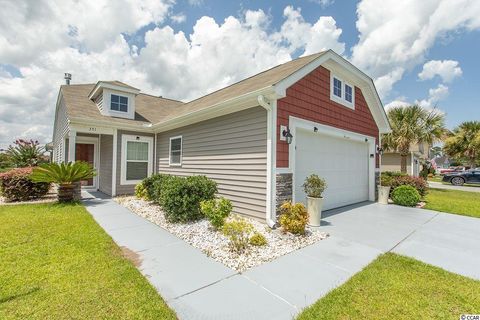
(435, 179)
(465, 203)
(397, 287)
(57, 263)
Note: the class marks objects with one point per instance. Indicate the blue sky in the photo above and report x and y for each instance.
(187, 48)
(464, 47)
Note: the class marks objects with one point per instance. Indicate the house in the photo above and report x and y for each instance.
(419, 153)
(258, 138)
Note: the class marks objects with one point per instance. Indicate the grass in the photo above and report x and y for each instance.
(397, 287)
(464, 203)
(435, 179)
(57, 263)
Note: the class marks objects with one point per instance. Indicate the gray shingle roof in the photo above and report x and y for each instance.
(157, 109)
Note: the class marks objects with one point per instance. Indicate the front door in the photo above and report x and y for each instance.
(86, 152)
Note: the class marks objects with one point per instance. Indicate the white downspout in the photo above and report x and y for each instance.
(270, 215)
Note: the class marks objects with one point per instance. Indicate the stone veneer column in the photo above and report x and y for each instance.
(284, 189)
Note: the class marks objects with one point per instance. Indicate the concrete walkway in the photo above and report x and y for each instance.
(439, 185)
(197, 287)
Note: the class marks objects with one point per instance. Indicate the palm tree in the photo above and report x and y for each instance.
(65, 175)
(412, 125)
(464, 142)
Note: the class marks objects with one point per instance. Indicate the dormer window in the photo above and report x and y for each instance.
(342, 92)
(118, 103)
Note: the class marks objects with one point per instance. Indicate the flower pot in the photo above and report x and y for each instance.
(314, 208)
(66, 192)
(383, 194)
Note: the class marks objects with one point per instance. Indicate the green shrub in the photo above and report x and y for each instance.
(405, 196)
(394, 174)
(152, 186)
(141, 191)
(180, 197)
(405, 180)
(216, 210)
(314, 186)
(258, 239)
(238, 232)
(16, 185)
(386, 180)
(293, 218)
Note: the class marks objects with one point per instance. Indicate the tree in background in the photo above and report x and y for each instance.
(411, 125)
(25, 153)
(436, 151)
(464, 143)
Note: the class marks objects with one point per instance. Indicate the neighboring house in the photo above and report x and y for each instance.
(325, 107)
(419, 152)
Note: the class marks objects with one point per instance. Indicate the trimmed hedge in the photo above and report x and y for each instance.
(180, 197)
(16, 185)
(405, 196)
(418, 183)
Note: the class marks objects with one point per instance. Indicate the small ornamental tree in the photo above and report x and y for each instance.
(25, 153)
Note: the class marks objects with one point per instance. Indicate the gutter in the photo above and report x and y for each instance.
(271, 155)
(238, 103)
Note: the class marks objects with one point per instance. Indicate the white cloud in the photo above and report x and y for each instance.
(322, 35)
(396, 103)
(171, 64)
(178, 18)
(435, 95)
(445, 69)
(32, 28)
(324, 3)
(396, 35)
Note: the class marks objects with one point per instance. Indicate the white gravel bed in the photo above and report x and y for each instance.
(213, 243)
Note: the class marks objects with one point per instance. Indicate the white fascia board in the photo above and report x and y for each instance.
(368, 87)
(239, 103)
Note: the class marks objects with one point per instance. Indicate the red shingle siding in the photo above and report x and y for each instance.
(309, 99)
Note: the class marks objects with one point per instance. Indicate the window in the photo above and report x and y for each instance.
(119, 103)
(342, 92)
(136, 163)
(337, 87)
(175, 151)
(348, 93)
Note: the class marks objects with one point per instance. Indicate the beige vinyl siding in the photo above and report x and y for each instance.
(61, 130)
(392, 162)
(130, 188)
(230, 149)
(106, 156)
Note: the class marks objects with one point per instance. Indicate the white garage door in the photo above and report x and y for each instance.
(343, 163)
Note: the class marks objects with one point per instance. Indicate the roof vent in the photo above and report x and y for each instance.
(68, 77)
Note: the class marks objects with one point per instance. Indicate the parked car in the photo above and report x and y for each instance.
(459, 178)
(451, 169)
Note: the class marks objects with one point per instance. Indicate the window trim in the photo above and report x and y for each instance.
(170, 163)
(342, 100)
(120, 96)
(123, 162)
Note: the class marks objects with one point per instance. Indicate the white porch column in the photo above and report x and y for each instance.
(72, 140)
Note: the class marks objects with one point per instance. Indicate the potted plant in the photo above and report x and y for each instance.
(314, 186)
(66, 175)
(384, 188)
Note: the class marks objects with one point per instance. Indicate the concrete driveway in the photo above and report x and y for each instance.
(197, 287)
